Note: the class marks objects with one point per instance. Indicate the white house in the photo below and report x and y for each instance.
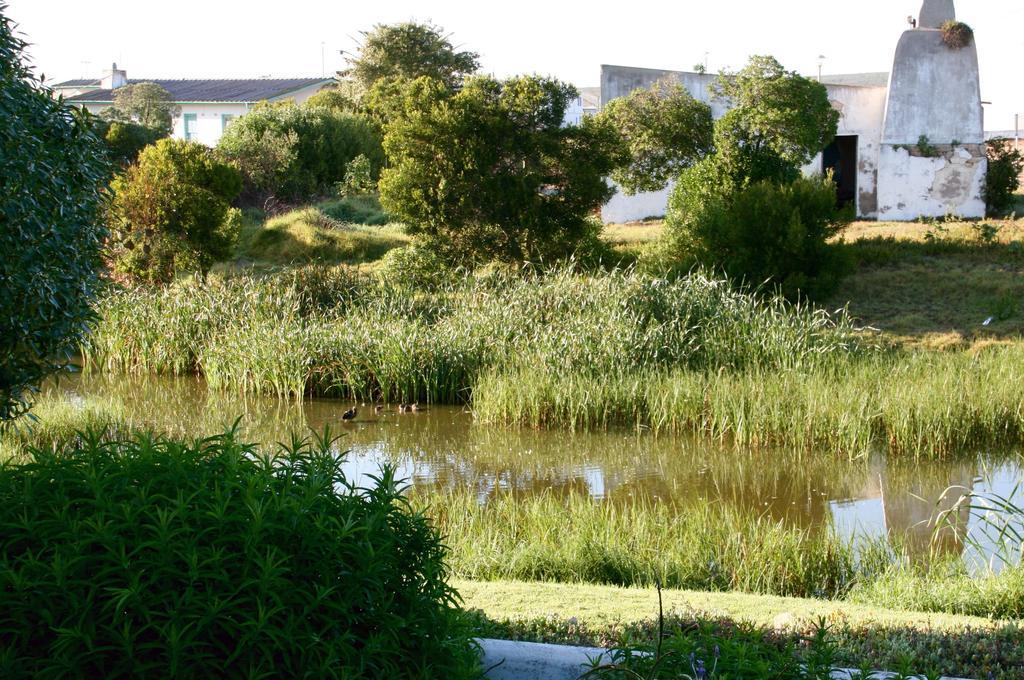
(880, 166)
(207, 106)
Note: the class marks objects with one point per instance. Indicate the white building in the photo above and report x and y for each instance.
(877, 159)
(207, 106)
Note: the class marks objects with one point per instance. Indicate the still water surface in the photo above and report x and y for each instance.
(443, 448)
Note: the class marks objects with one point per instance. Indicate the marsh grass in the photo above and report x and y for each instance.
(925, 404)
(568, 349)
(574, 539)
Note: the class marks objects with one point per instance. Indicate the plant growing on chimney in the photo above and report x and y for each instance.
(957, 35)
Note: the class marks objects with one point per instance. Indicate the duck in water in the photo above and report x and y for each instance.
(350, 414)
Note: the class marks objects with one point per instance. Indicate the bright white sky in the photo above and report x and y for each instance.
(569, 40)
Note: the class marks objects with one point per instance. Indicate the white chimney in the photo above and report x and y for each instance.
(114, 79)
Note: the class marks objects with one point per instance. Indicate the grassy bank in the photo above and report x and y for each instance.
(607, 616)
(706, 547)
(565, 349)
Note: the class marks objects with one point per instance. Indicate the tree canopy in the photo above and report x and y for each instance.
(489, 172)
(169, 212)
(663, 130)
(147, 104)
(775, 110)
(409, 50)
(52, 171)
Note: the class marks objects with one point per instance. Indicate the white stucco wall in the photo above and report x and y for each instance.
(209, 125)
(934, 91)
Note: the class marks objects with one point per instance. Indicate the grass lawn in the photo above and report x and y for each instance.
(599, 607)
(959, 646)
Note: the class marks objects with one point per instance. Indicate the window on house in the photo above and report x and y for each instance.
(225, 120)
(190, 126)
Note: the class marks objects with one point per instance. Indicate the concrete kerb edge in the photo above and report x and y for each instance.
(511, 660)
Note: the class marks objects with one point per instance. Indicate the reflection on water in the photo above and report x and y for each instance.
(442, 448)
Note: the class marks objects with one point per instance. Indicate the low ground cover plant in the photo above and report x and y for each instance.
(149, 557)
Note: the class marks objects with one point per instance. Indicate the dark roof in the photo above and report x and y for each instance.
(253, 90)
(856, 79)
(81, 82)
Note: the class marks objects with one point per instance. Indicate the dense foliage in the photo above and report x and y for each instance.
(147, 104)
(171, 212)
(52, 169)
(744, 209)
(298, 152)
(152, 558)
(664, 130)
(774, 110)
(1005, 166)
(491, 173)
(409, 51)
(126, 140)
(763, 233)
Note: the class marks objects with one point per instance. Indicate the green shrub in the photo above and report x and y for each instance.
(52, 170)
(323, 141)
(664, 130)
(171, 212)
(1005, 165)
(415, 268)
(491, 173)
(358, 178)
(152, 558)
(763, 234)
(126, 140)
(363, 209)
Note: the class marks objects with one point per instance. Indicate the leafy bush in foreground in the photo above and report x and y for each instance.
(52, 168)
(1005, 165)
(155, 558)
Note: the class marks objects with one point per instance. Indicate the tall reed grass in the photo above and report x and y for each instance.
(709, 547)
(569, 349)
(931, 404)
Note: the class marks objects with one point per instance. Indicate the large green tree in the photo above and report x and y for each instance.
(409, 50)
(147, 104)
(490, 171)
(170, 212)
(744, 209)
(774, 112)
(663, 130)
(52, 170)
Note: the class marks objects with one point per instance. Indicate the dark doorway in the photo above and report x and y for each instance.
(841, 158)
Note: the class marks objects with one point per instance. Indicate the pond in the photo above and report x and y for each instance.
(443, 448)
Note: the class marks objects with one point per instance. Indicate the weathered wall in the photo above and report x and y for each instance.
(914, 185)
(934, 91)
(862, 111)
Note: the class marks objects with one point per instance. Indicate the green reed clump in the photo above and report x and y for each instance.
(574, 538)
(156, 558)
(930, 404)
(362, 337)
(947, 587)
